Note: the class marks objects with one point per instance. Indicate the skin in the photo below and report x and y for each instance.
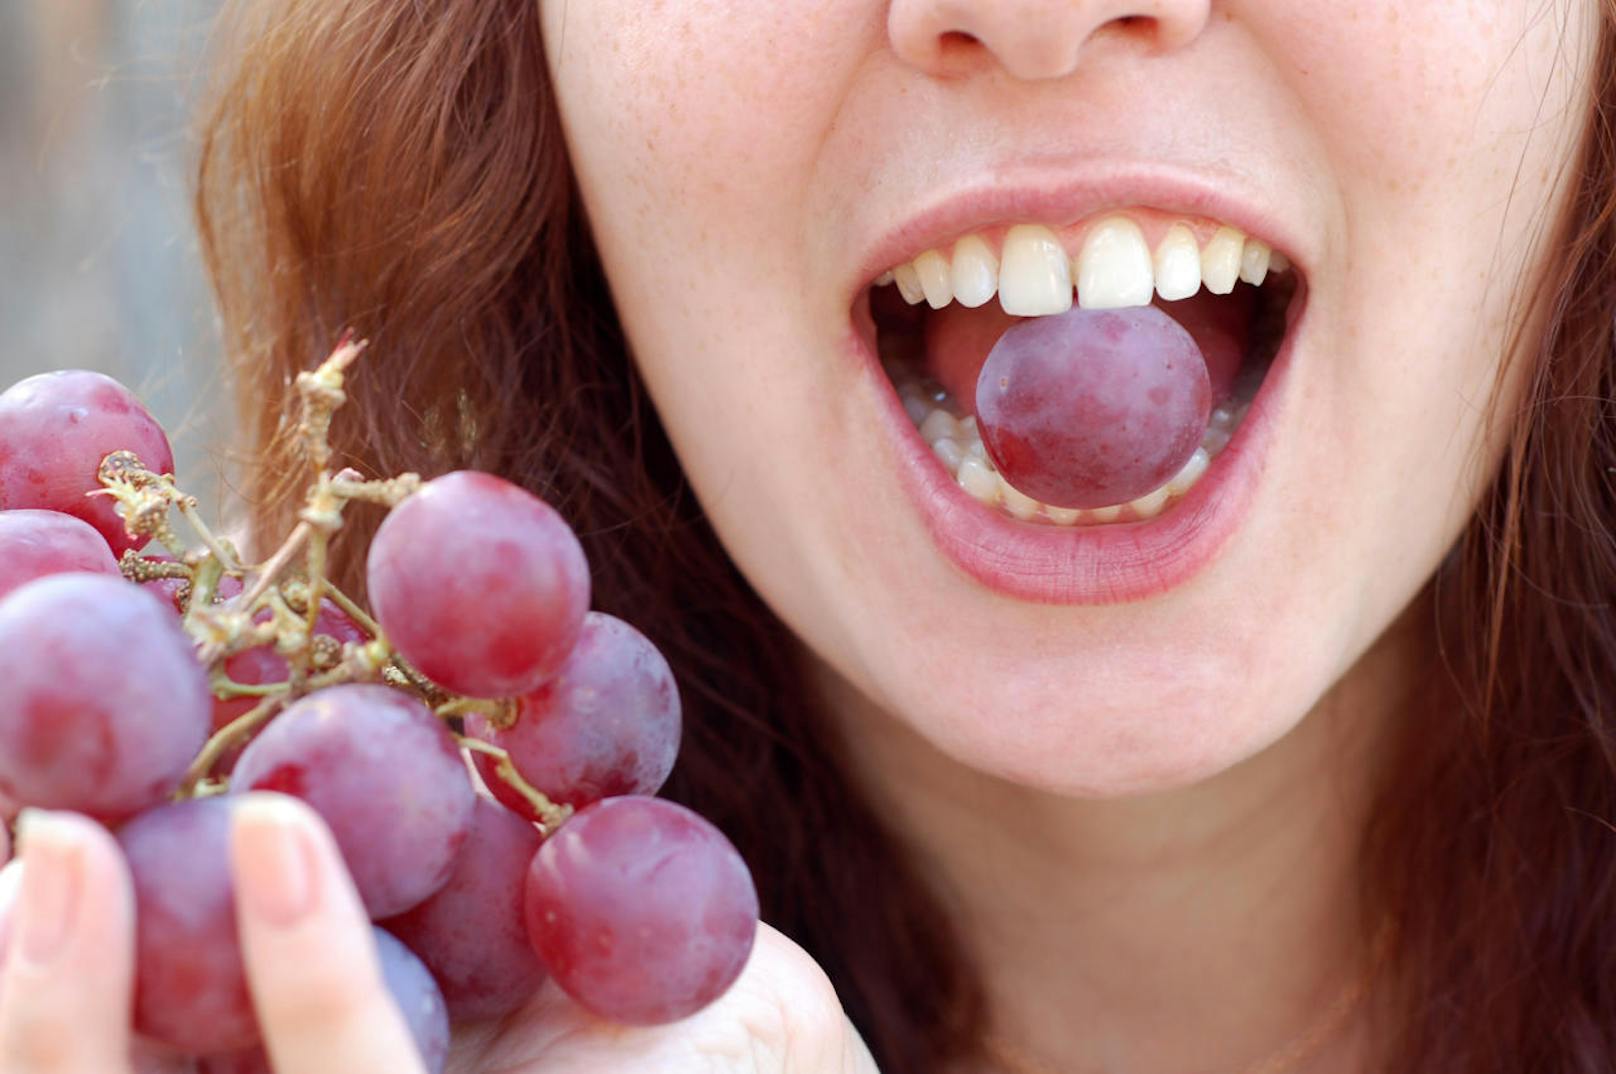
(1142, 813)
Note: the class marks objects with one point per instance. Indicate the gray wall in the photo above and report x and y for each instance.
(98, 258)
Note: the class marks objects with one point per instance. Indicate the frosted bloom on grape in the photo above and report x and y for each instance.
(607, 724)
(191, 988)
(472, 934)
(1091, 408)
(104, 704)
(418, 999)
(36, 543)
(642, 911)
(480, 584)
(384, 774)
(55, 428)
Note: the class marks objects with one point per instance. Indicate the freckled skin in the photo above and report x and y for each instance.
(1410, 160)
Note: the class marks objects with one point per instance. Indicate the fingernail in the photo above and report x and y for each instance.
(10, 878)
(51, 882)
(274, 859)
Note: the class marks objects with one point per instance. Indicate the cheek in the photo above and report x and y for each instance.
(692, 122)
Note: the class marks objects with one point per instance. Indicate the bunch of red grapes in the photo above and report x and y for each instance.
(149, 690)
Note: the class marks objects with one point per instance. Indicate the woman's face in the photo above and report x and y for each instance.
(751, 169)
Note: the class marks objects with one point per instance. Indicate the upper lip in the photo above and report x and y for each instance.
(1061, 198)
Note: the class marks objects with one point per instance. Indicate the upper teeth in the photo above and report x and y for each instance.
(1033, 275)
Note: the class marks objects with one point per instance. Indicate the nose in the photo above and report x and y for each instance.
(1031, 39)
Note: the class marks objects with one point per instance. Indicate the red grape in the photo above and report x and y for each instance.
(412, 989)
(384, 773)
(55, 428)
(479, 584)
(191, 989)
(607, 724)
(642, 911)
(471, 934)
(35, 543)
(418, 998)
(1091, 408)
(105, 704)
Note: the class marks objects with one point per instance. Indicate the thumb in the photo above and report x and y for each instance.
(781, 1015)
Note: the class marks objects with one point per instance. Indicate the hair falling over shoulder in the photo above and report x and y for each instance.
(401, 167)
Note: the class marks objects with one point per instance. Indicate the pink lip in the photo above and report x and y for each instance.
(1106, 564)
(1064, 201)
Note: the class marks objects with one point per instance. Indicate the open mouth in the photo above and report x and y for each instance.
(937, 317)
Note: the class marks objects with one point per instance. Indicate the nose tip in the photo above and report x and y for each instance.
(1032, 39)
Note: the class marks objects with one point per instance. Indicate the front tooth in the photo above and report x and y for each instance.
(1178, 264)
(977, 480)
(1106, 514)
(932, 268)
(976, 272)
(1063, 516)
(1190, 473)
(1220, 261)
(1018, 503)
(1035, 279)
(1254, 261)
(908, 281)
(1114, 267)
(1150, 504)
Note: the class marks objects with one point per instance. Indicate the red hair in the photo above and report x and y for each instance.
(400, 167)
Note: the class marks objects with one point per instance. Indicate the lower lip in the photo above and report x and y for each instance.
(1105, 564)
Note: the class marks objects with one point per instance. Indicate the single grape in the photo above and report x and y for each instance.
(36, 543)
(55, 428)
(471, 934)
(479, 584)
(417, 996)
(606, 725)
(190, 985)
(412, 989)
(384, 773)
(641, 910)
(104, 704)
(1090, 408)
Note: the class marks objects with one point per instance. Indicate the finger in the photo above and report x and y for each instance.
(10, 882)
(65, 991)
(306, 942)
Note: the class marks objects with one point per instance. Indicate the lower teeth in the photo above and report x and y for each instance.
(958, 446)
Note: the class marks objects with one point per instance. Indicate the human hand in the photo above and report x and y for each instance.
(66, 967)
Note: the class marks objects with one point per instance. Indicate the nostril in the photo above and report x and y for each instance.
(956, 44)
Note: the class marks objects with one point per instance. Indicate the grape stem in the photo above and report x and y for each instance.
(225, 555)
(551, 815)
(240, 728)
(498, 712)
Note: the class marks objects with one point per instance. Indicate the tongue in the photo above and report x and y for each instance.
(1091, 408)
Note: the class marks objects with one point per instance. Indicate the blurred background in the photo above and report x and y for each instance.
(99, 266)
